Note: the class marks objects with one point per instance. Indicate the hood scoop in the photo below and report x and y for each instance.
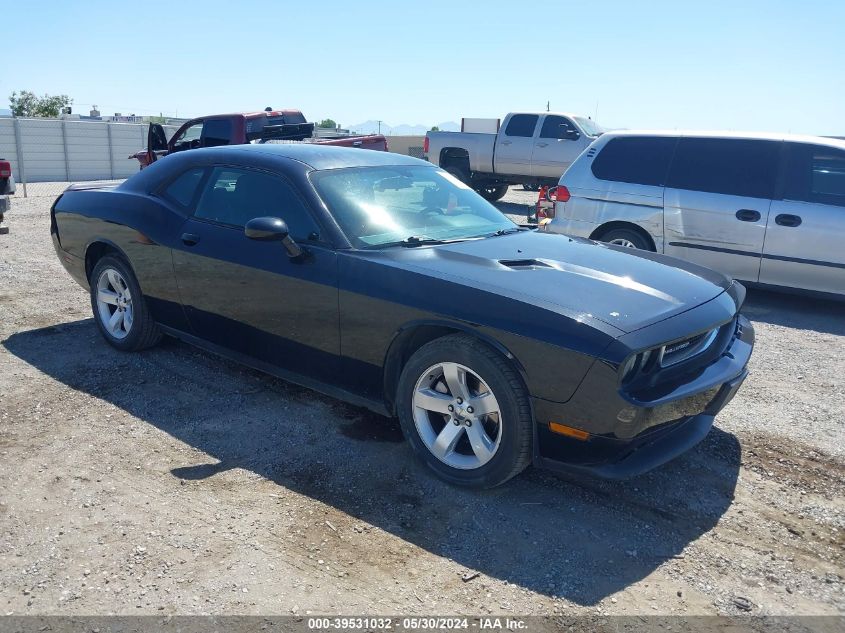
(525, 264)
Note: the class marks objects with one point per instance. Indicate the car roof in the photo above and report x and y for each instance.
(318, 156)
(763, 136)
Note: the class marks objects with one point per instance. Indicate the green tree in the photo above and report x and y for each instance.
(434, 128)
(28, 104)
(327, 123)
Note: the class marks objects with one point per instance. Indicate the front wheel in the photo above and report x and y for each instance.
(465, 412)
(628, 238)
(492, 192)
(119, 308)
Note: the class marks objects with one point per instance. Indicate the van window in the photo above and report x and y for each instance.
(522, 125)
(737, 167)
(815, 173)
(643, 160)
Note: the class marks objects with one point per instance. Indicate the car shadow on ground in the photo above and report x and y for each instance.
(565, 536)
(795, 310)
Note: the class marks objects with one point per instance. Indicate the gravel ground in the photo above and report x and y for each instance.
(174, 482)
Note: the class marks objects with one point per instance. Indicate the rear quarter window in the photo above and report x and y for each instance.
(640, 160)
(184, 187)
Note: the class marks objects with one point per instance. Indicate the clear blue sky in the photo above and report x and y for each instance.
(776, 65)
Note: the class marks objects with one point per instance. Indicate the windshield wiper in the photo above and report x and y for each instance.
(515, 229)
(417, 240)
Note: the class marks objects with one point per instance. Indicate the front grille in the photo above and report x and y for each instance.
(677, 352)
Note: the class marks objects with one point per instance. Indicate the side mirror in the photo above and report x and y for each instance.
(571, 134)
(268, 229)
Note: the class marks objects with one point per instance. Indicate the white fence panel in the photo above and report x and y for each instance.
(87, 150)
(43, 150)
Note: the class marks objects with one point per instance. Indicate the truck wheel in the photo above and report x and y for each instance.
(120, 310)
(492, 192)
(628, 238)
(465, 412)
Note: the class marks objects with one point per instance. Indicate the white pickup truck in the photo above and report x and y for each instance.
(529, 148)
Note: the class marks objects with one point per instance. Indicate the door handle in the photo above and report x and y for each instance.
(787, 219)
(189, 239)
(506, 142)
(748, 215)
(542, 144)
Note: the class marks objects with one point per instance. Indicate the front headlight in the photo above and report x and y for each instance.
(634, 364)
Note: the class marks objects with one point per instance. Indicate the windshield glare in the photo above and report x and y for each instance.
(590, 127)
(380, 206)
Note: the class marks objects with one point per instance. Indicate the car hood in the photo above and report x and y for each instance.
(624, 288)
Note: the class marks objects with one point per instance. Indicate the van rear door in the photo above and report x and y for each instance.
(717, 200)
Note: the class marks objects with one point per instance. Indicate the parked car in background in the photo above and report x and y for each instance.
(532, 148)
(762, 208)
(386, 282)
(237, 129)
(7, 187)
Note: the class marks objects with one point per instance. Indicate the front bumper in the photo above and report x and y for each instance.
(644, 434)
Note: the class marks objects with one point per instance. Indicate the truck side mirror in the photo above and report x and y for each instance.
(570, 133)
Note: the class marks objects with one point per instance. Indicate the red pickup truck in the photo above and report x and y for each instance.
(7, 188)
(237, 129)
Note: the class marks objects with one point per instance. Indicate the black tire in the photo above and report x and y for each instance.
(459, 172)
(515, 421)
(143, 331)
(492, 192)
(634, 238)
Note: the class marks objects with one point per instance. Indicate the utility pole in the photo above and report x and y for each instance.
(379, 127)
(547, 105)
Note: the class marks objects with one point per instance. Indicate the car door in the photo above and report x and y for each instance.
(156, 143)
(248, 296)
(558, 144)
(515, 145)
(806, 229)
(717, 200)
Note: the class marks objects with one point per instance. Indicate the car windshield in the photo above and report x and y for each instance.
(389, 205)
(590, 127)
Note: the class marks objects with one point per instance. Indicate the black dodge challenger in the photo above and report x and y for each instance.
(386, 282)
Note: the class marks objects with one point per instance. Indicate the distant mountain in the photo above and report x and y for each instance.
(5, 112)
(403, 129)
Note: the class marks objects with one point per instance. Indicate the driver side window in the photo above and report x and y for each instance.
(233, 197)
(556, 127)
(189, 138)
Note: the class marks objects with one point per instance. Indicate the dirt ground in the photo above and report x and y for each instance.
(174, 482)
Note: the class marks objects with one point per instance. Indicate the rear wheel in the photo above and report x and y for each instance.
(492, 192)
(629, 238)
(120, 310)
(465, 412)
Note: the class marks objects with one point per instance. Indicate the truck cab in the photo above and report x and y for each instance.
(532, 148)
(225, 129)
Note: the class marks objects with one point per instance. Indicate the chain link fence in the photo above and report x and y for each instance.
(48, 154)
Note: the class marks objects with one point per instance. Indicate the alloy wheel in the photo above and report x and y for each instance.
(457, 416)
(114, 303)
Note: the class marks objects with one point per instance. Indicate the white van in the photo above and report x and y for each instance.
(762, 208)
